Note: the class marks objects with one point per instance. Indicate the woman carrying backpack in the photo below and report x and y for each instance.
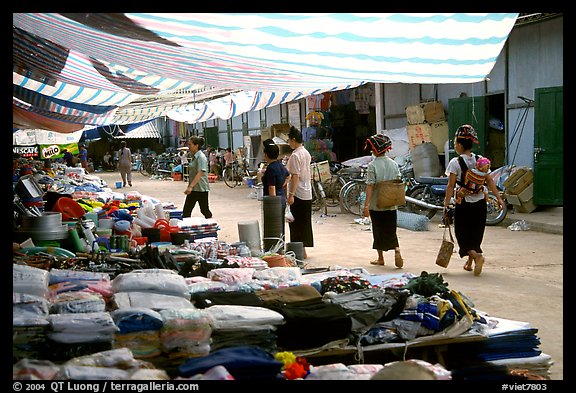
(470, 213)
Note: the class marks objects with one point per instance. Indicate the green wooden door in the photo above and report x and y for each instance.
(467, 110)
(548, 146)
(211, 137)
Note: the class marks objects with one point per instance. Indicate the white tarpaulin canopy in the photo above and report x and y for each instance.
(102, 69)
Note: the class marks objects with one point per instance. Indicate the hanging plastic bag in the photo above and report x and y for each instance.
(288, 216)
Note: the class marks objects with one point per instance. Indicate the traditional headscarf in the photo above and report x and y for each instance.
(467, 132)
(378, 143)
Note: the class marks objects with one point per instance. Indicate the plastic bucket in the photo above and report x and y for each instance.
(118, 184)
(69, 208)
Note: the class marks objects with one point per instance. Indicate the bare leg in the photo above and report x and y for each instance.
(468, 264)
(380, 260)
(398, 261)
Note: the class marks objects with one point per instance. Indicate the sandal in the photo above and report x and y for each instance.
(478, 264)
(398, 261)
(377, 262)
(468, 265)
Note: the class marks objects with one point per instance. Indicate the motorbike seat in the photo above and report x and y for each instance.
(432, 180)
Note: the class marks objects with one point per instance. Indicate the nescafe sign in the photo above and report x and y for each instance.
(26, 151)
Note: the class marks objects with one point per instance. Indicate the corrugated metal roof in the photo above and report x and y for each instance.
(148, 130)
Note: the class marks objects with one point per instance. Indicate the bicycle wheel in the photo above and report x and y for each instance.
(495, 215)
(332, 188)
(145, 168)
(229, 177)
(354, 197)
(316, 204)
(318, 201)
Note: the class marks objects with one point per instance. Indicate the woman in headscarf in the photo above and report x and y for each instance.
(384, 226)
(470, 213)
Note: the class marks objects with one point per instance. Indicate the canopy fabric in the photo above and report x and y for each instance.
(126, 68)
(43, 137)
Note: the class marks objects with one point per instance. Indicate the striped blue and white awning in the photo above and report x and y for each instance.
(104, 69)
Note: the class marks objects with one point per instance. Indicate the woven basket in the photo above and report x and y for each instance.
(390, 193)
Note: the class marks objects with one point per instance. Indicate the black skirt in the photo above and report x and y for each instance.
(384, 226)
(301, 227)
(469, 225)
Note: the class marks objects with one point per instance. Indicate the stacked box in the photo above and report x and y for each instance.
(323, 169)
(518, 181)
(523, 202)
(418, 134)
(425, 112)
(439, 135)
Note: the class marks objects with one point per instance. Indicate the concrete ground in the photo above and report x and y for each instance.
(522, 278)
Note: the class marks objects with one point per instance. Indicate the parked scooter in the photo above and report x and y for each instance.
(426, 197)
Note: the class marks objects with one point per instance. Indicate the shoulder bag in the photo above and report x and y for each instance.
(390, 193)
(446, 248)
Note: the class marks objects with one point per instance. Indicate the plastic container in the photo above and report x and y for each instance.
(275, 260)
(105, 223)
(118, 184)
(69, 208)
(140, 240)
(425, 160)
(153, 234)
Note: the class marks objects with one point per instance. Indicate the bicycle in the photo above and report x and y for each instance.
(353, 196)
(147, 165)
(341, 175)
(235, 173)
(318, 194)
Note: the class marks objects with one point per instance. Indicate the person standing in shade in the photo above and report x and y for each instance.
(106, 160)
(300, 191)
(68, 158)
(276, 176)
(198, 186)
(83, 156)
(384, 223)
(229, 157)
(125, 164)
(470, 213)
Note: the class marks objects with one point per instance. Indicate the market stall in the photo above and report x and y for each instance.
(168, 309)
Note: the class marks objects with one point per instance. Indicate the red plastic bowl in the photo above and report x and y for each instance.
(69, 208)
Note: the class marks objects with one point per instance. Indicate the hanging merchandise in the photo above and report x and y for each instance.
(315, 118)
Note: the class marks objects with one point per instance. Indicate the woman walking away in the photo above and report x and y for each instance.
(300, 191)
(198, 186)
(125, 164)
(470, 213)
(384, 220)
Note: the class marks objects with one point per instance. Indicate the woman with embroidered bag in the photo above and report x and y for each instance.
(470, 213)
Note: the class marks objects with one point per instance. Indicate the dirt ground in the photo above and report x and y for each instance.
(522, 278)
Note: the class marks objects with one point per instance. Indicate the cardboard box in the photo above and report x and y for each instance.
(514, 176)
(418, 134)
(523, 202)
(323, 168)
(439, 135)
(265, 133)
(425, 112)
(520, 183)
(527, 194)
(525, 207)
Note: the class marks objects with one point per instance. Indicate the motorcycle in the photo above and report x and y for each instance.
(426, 197)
